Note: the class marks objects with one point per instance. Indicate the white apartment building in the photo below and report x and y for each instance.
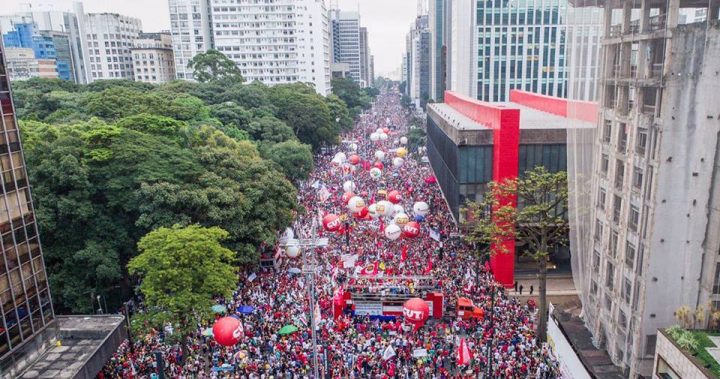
(275, 41)
(108, 39)
(346, 41)
(191, 30)
(153, 60)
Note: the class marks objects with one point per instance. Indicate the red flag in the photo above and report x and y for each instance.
(382, 226)
(464, 355)
(404, 254)
(429, 266)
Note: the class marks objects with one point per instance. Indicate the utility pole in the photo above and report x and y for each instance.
(309, 271)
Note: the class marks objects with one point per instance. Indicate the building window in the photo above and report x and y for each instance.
(637, 177)
(622, 138)
(627, 290)
(604, 165)
(622, 319)
(598, 230)
(641, 143)
(596, 262)
(619, 174)
(593, 288)
(607, 131)
(602, 194)
(634, 218)
(664, 370)
(617, 207)
(608, 302)
(630, 255)
(716, 283)
(613, 243)
(610, 276)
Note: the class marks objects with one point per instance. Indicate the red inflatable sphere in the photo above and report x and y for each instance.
(331, 222)
(346, 197)
(362, 213)
(416, 311)
(386, 130)
(411, 229)
(354, 159)
(227, 331)
(379, 165)
(394, 196)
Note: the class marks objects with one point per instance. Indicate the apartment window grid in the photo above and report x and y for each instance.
(25, 303)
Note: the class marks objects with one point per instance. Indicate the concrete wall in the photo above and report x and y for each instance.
(688, 138)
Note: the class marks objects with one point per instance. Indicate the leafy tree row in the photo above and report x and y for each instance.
(114, 160)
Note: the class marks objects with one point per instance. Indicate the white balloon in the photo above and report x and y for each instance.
(349, 186)
(403, 140)
(392, 232)
(355, 204)
(401, 219)
(374, 137)
(375, 173)
(421, 208)
(379, 131)
(385, 208)
(353, 147)
(292, 251)
(397, 161)
(380, 155)
(398, 208)
(383, 136)
(372, 211)
(335, 161)
(341, 157)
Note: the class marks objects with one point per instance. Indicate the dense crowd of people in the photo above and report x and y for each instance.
(351, 345)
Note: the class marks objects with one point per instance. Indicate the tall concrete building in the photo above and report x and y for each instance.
(283, 42)
(461, 60)
(418, 50)
(646, 238)
(191, 29)
(153, 60)
(437, 22)
(346, 41)
(22, 64)
(365, 76)
(109, 38)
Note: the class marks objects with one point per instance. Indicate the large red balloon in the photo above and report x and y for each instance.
(416, 311)
(411, 229)
(394, 196)
(386, 130)
(346, 197)
(362, 213)
(331, 222)
(379, 165)
(354, 159)
(227, 331)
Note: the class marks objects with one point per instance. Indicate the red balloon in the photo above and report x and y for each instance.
(331, 222)
(386, 130)
(346, 197)
(416, 311)
(411, 229)
(379, 165)
(354, 159)
(227, 331)
(394, 196)
(362, 213)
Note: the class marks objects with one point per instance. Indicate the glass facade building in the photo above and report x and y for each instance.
(25, 302)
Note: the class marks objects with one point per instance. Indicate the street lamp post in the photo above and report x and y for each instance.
(309, 271)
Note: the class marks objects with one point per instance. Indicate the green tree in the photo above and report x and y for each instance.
(181, 270)
(307, 114)
(295, 159)
(539, 221)
(214, 66)
(270, 129)
(339, 112)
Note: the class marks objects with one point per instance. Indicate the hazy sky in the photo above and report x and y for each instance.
(387, 20)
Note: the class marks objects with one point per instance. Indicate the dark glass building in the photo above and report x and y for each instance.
(25, 303)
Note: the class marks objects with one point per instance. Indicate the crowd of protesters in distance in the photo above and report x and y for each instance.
(356, 346)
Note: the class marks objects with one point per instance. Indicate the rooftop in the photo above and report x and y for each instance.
(706, 354)
(85, 343)
(536, 112)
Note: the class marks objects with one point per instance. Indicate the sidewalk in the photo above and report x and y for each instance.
(555, 287)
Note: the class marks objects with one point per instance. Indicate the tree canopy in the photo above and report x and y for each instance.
(214, 66)
(114, 161)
